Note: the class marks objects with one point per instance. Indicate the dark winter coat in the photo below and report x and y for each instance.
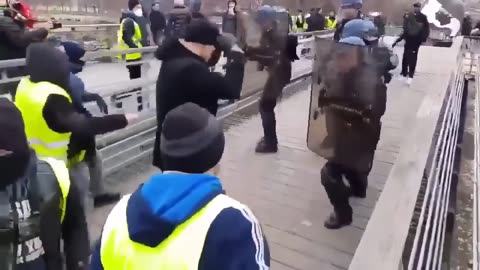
(177, 20)
(467, 26)
(158, 21)
(185, 77)
(414, 41)
(316, 22)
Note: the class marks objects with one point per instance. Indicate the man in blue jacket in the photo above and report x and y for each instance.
(80, 143)
(182, 219)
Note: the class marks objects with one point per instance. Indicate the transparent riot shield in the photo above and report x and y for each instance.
(348, 99)
(256, 72)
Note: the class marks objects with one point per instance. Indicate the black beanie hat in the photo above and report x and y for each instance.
(192, 140)
(132, 4)
(202, 31)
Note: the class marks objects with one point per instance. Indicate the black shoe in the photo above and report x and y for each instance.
(337, 219)
(264, 147)
(105, 199)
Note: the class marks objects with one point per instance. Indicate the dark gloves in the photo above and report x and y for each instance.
(87, 97)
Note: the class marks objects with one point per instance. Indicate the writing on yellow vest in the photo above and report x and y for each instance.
(137, 38)
(63, 179)
(30, 99)
(181, 250)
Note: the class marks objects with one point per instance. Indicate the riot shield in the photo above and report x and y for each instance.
(347, 100)
(256, 75)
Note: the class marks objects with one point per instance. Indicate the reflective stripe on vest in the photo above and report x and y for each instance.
(63, 178)
(137, 37)
(180, 251)
(30, 100)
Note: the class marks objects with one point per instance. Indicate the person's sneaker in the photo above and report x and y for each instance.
(105, 199)
(337, 220)
(409, 81)
(266, 148)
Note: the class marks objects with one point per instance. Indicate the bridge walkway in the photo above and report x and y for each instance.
(284, 189)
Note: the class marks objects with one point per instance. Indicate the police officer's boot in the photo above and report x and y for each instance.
(269, 143)
(338, 194)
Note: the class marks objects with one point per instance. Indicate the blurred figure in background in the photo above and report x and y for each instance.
(133, 34)
(350, 10)
(316, 21)
(331, 21)
(15, 38)
(177, 20)
(416, 30)
(230, 21)
(299, 23)
(157, 23)
(467, 25)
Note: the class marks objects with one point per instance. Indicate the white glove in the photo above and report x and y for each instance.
(131, 117)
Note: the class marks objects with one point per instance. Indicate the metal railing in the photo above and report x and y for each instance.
(476, 176)
(429, 150)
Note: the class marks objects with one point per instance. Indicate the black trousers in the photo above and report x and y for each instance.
(409, 61)
(135, 72)
(332, 175)
(269, 123)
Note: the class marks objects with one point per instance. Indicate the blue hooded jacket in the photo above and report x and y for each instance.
(234, 240)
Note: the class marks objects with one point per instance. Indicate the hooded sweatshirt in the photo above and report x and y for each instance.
(234, 240)
(59, 113)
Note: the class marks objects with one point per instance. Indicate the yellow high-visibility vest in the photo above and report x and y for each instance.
(331, 24)
(30, 99)
(180, 251)
(137, 38)
(63, 179)
(294, 23)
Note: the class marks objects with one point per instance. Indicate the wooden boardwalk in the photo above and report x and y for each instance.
(284, 189)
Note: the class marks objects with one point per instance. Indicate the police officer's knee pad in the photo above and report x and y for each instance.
(327, 178)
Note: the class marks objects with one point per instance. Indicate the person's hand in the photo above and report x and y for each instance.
(101, 104)
(131, 117)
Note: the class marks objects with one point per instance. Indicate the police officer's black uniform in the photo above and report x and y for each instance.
(356, 138)
(275, 54)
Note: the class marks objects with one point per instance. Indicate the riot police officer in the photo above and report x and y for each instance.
(276, 53)
(361, 75)
(350, 9)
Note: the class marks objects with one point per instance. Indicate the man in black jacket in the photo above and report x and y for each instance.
(185, 75)
(31, 191)
(14, 40)
(157, 23)
(177, 20)
(416, 30)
